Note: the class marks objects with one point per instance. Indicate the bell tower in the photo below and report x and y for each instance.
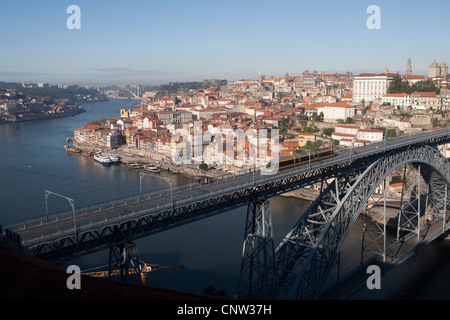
(409, 67)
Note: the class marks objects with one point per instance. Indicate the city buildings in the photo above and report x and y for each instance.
(199, 125)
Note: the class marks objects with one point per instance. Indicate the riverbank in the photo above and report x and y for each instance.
(36, 117)
(143, 157)
(303, 194)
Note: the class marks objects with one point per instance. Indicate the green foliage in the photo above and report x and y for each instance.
(73, 93)
(317, 117)
(311, 146)
(311, 129)
(391, 133)
(203, 166)
(328, 131)
(398, 85)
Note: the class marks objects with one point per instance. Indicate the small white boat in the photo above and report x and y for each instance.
(136, 165)
(102, 159)
(114, 159)
(153, 169)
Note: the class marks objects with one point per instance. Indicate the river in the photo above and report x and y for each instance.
(33, 159)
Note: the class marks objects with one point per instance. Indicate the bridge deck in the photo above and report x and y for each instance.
(35, 232)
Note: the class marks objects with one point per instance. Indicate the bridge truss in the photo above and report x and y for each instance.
(306, 257)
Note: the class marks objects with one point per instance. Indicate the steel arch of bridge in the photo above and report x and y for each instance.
(305, 257)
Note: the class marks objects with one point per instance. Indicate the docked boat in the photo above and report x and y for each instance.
(114, 159)
(136, 165)
(152, 169)
(105, 160)
(72, 149)
(87, 154)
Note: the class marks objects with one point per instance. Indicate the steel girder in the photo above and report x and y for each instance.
(305, 257)
(85, 242)
(258, 252)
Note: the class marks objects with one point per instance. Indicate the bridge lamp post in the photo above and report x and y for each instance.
(309, 160)
(70, 200)
(169, 181)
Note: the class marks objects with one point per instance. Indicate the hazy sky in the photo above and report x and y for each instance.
(153, 42)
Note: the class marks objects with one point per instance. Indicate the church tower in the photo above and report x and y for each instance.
(409, 68)
(434, 70)
(444, 69)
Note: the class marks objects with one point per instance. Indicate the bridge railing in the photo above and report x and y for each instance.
(239, 182)
(131, 215)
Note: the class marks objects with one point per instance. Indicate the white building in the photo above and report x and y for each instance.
(354, 136)
(401, 100)
(423, 100)
(346, 129)
(372, 135)
(338, 111)
(444, 99)
(369, 86)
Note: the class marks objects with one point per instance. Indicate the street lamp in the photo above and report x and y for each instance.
(70, 200)
(169, 181)
(309, 159)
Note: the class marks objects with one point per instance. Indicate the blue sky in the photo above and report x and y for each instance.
(153, 42)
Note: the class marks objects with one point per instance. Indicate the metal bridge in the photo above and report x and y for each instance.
(304, 265)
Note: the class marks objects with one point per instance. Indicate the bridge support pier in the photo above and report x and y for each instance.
(124, 258)
(257, 252)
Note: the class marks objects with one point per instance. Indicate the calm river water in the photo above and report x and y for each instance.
(33, 159)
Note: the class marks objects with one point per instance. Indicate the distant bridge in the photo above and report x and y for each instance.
(304, 263)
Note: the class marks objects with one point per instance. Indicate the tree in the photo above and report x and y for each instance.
(391, 133)
(349, 120)
(328, 131)
(424, 86)
(398, 85)
(203, 166)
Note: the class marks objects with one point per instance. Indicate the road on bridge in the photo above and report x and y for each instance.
(33, 232)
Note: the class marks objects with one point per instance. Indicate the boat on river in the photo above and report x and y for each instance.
(153, 169)
(136, 165)
(72, 149)
(114, 159)
(105, 160)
